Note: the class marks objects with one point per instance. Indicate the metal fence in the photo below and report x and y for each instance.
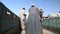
(52, 24)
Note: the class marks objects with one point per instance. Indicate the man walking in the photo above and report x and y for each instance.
(33, 24)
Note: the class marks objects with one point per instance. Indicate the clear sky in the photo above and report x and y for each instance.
(49, 6)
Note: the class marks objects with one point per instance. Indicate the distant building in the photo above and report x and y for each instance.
(54, 15)
(23, 20)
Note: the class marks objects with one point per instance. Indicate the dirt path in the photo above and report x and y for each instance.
(47, 32)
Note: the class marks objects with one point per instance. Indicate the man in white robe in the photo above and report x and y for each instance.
(23, 20)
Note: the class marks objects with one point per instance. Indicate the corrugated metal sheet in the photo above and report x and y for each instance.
(9, 21)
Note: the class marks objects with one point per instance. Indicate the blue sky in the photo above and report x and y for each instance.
(49, 6)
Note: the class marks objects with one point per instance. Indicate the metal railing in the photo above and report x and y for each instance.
(52, 24)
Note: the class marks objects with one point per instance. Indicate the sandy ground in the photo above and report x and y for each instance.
(47, 32)
(44, 32)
